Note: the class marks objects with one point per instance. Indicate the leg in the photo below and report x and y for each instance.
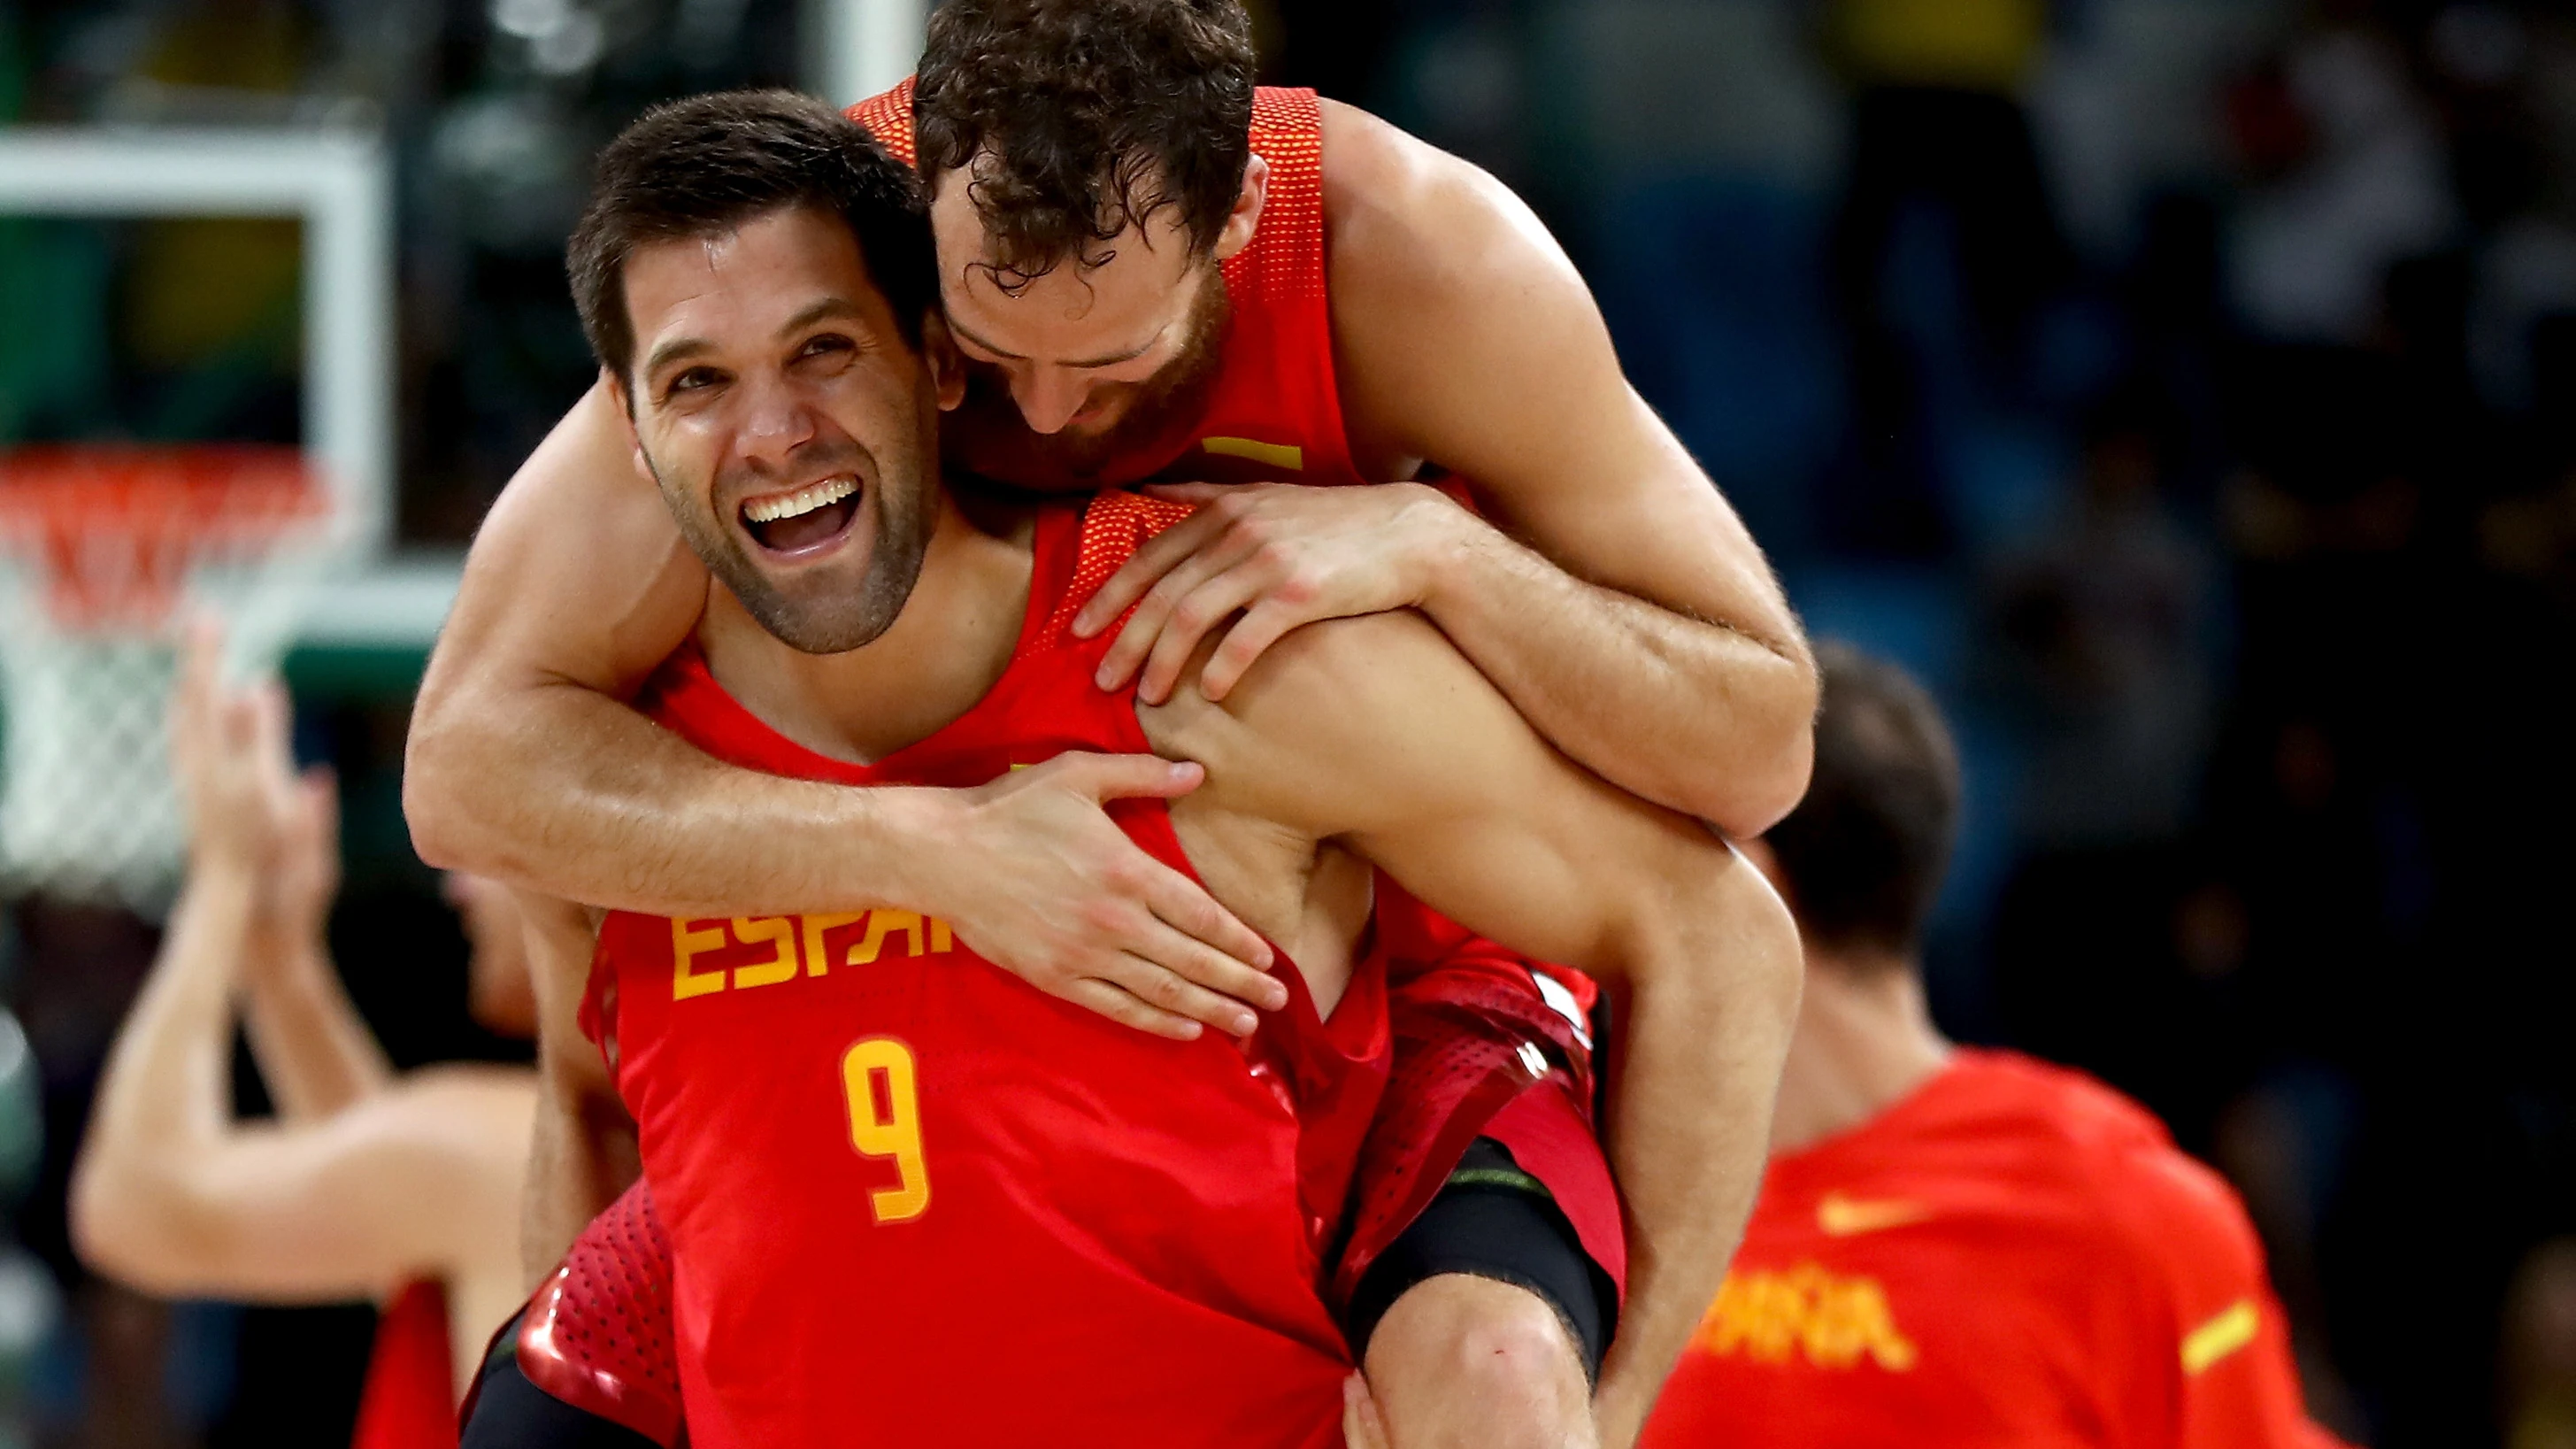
(1483, 1324)
(1462, 1362)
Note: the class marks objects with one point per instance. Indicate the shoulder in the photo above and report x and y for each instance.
(2168, 1215)
(1400, 213)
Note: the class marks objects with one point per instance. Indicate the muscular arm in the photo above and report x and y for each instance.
(314, 1050)
(581, 1153)
(173, 1196)
(526, 765)
(1375, 733)
(1650, 642)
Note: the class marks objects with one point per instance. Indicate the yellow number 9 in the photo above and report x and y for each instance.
(896, 1134)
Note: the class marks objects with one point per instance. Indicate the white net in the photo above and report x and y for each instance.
(88, 809)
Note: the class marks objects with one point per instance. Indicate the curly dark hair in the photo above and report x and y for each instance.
(1081, 116)
(710, 163)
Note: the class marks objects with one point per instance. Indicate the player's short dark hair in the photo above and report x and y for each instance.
(1862, 856)
(1080, 116)
(710, 163)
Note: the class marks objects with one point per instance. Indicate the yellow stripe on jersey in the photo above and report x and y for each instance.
(2231, 1330)
(1277, 455)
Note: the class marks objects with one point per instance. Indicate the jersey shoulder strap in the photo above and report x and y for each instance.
(888, 117)
(1113, 526)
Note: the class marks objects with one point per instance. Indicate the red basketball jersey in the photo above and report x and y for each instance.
(911, 1199)
(410, 1397)
(1275, 414)
(2015, 1254)
(1275, 410)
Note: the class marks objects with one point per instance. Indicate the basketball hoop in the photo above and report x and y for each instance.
(110, 542)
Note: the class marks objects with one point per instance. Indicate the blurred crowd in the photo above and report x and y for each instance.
(2186, 388)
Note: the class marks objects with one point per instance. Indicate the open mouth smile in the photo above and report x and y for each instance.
(802, 520)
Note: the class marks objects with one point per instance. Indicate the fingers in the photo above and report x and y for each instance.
(1205, 969)
(1261, 626)
(1184, 905)
(1207, 606)
(1157, 557)
(1124, 1008)
(1126, 777)
(1154, 982)
(1178, 589)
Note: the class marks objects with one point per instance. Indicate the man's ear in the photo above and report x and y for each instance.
(947, 365)
(625, 400)
(1239, 223)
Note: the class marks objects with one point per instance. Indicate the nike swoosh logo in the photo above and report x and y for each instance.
(1842, 1217)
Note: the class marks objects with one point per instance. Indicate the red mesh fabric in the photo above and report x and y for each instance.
(887, 116)
(1286, 260)
(1466, 1045)
(1114, 526)
(598, 1334)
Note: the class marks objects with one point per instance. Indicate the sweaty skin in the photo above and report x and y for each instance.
(1676, 670)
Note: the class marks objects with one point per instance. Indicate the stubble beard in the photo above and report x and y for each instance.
(900, 538)
(1178, 392)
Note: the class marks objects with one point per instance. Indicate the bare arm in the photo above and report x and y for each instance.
(314, 1050)
(1614, 596)
(526, 765)
(173, 1196)
(581, 1154)
(1376, 732)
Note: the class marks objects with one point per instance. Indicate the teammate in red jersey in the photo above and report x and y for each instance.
(403, 1188)
(1134, 1226)
(1314, 303)
(1960, 1247)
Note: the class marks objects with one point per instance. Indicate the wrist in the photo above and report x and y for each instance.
(1452, 554)
(916, 828)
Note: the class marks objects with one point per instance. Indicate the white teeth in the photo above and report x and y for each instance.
(803, 500)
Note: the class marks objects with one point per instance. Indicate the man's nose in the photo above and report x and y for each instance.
(1050, 396)
(775, 423)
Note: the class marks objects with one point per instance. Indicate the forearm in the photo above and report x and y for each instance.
(564, 791)
(1703, 1028)
(314, 1050)
(1706, 718)
(581, 1155)
(164, 1102)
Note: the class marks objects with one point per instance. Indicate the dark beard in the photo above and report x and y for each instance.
(988, 437)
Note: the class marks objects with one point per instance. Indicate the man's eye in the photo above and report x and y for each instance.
(829, 342)
(692, 380)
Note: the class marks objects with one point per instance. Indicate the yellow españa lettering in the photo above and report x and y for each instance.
(2230, 1330)
(1834, 1322)
(794, 942)
(780, 933)
(686, 945)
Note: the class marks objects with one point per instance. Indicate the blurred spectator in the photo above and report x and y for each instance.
(1939, 137)
(2347, 176)
(2102, 646)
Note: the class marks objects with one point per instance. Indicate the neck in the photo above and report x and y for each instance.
(942, 653)
(1864, 1041)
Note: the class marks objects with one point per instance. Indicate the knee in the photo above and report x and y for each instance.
(1472, 1361)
